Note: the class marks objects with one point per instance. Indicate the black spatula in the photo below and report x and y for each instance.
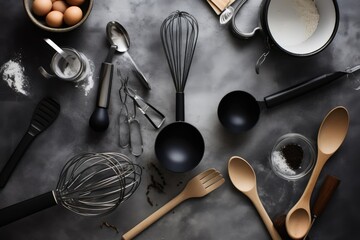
(44, 115)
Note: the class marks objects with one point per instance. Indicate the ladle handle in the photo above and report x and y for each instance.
(300, 89)
(180, 106)
(254, 197)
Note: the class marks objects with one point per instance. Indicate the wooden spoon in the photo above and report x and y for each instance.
(243, 177)
(331, 134)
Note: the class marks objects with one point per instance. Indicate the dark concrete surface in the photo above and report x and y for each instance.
(222, 63)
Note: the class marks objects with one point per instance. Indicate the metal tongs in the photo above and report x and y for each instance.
(129, 127)
(155, 117)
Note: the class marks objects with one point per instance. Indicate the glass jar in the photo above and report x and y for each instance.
(73, 68)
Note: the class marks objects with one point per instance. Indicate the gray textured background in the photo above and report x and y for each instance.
(222, 63)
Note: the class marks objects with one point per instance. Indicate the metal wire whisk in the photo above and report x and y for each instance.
(179, 34)
(96, 183)
(90, 184)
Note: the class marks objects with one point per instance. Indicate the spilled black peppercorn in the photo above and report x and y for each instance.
(293, 155)
(155, 184)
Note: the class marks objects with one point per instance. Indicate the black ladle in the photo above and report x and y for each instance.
(238, 111)
(179, 147)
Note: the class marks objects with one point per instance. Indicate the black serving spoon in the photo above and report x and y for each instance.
(239, 111)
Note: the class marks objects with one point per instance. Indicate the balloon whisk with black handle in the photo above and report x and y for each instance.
(179, 34)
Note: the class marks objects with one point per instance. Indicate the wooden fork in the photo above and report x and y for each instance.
(199, 186)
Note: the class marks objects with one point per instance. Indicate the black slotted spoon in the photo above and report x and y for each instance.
(44, 115)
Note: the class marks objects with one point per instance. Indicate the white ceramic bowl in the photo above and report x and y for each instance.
(292, 24)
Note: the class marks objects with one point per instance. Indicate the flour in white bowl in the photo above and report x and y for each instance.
(309, 15)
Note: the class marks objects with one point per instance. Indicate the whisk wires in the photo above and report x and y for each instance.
(179, 34)
(96, 183)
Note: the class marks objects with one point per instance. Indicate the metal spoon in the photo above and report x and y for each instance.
(243, 177)
(56, 48)
(117, 35)
(331, 134)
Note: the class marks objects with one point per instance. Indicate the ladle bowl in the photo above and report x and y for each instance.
(243, 177)
(331, 134)
(179, 147)
(238, 111)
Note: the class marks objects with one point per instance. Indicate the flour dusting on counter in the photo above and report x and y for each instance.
(88, 82)
(13, 73)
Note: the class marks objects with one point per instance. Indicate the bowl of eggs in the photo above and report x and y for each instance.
(58, 15)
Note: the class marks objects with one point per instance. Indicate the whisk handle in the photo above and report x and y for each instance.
(25, 208)
(180, 106)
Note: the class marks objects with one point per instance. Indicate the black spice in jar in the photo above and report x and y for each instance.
(293, 155)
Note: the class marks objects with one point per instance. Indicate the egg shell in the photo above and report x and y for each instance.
(54, 19)
(60, 6)
(75, 2)
(41, 7)
(73, 15)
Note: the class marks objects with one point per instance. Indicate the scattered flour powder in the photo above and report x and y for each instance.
(88, 82)
(12, 72)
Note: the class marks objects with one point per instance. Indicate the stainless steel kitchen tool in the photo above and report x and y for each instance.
(129, 127)
(44, 115)
(90, 184)
(117, 35)
(154, 116)
(57, 48)
(199, 186)
(99, 120)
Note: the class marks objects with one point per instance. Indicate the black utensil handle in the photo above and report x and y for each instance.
(106, 74)
(25, 208)
(15, 158)
(300, 89)
(180, 106)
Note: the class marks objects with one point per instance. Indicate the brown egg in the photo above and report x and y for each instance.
(75, 2)
(72, 15)
(60, 6)
(54, 19)
(41, 7)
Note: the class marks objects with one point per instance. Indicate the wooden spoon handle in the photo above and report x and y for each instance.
(153, 218)
(264, 216)
(325, 193)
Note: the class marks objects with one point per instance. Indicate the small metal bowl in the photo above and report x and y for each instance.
(281, 168)
(86, 7)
